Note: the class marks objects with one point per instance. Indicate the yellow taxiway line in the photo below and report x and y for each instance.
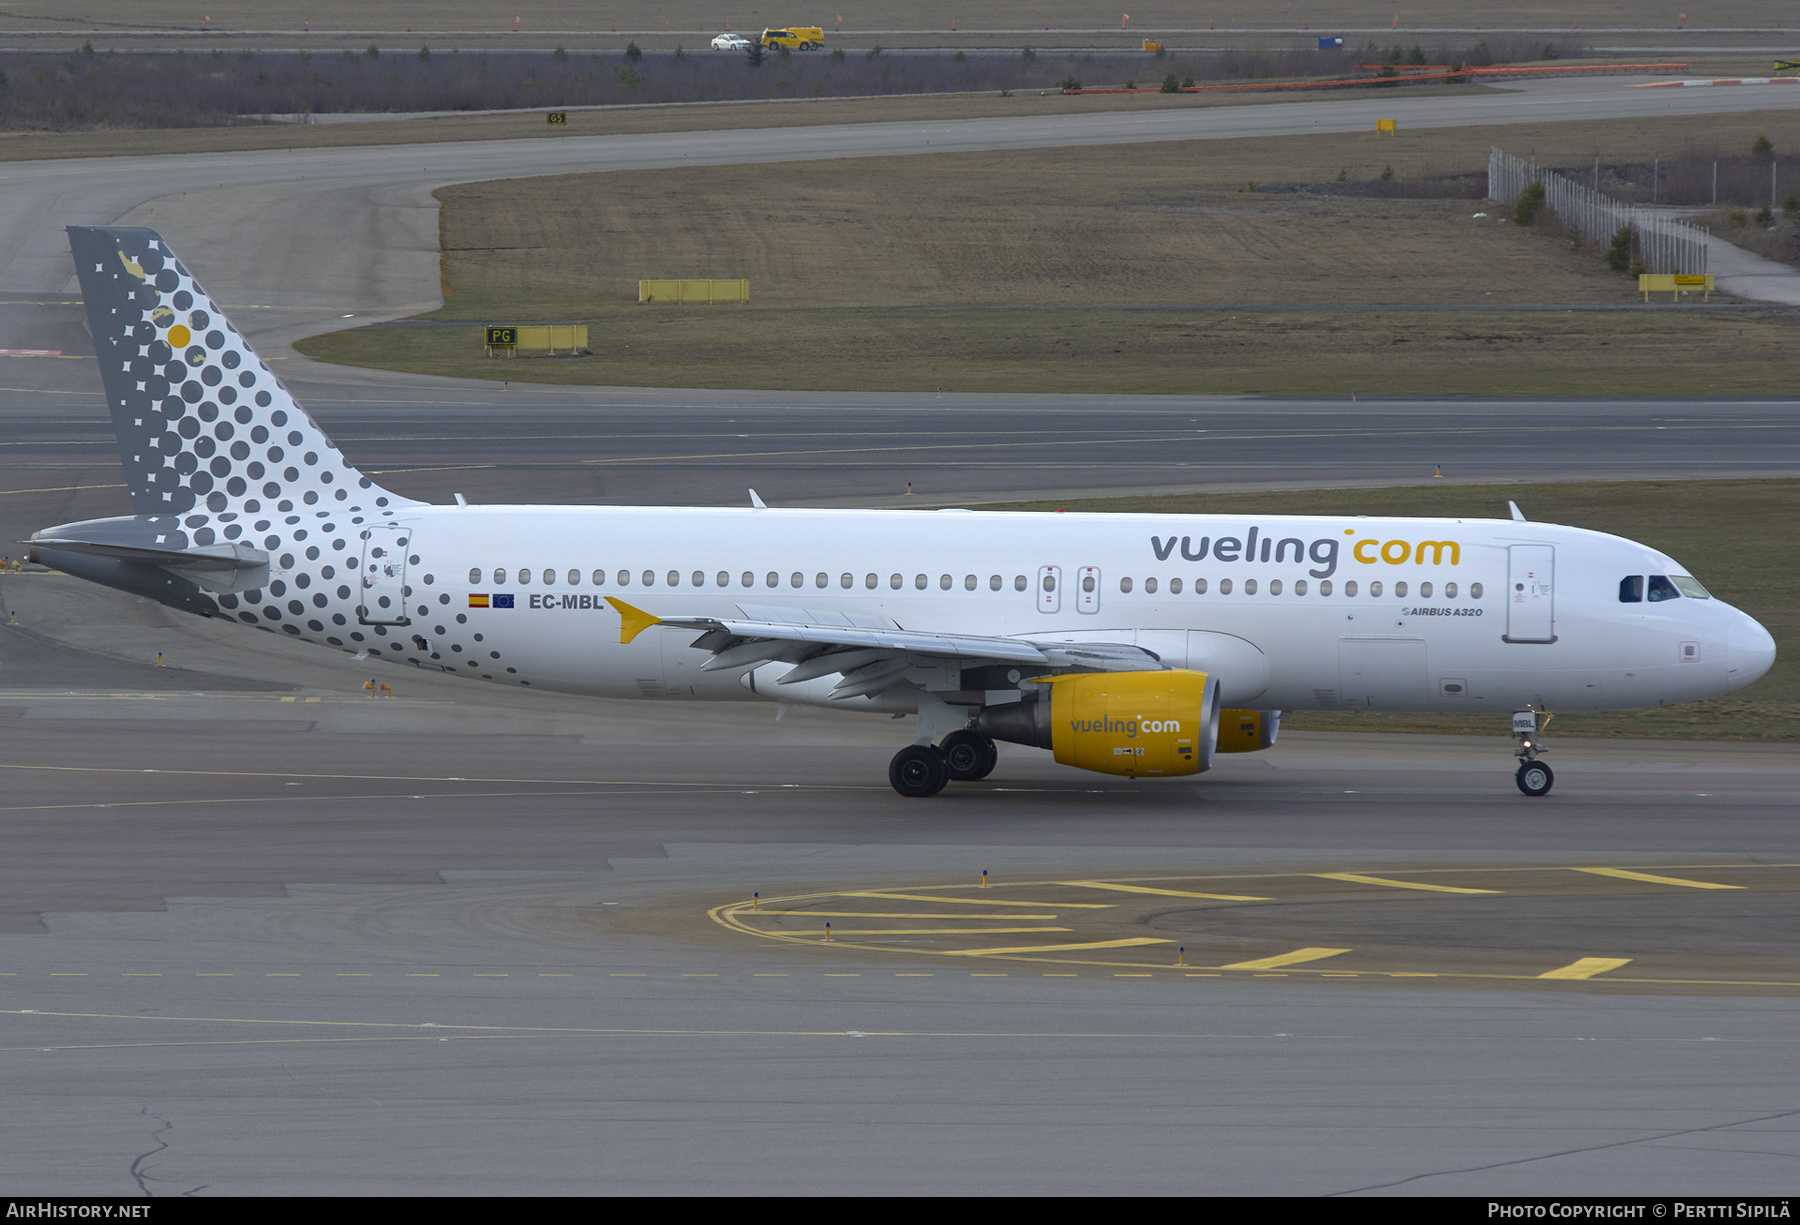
(1284, 959)
(1651, 878)
(1587, 967)
(1356, 879)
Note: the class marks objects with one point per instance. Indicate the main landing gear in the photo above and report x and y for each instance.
(1534, 777)
(969, 755)
(919, 770)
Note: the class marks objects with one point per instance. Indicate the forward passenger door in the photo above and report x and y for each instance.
(1530, 598)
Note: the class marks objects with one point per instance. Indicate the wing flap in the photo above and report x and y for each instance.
(954, 646)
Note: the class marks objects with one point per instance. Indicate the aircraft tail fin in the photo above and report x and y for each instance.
(205, 428)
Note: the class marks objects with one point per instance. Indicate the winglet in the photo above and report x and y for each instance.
(1517, 514)
(756, 503)
(632, 621)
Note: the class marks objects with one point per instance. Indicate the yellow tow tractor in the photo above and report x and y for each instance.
(794, 38)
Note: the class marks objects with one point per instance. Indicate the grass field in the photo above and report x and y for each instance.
(1735, 536)
(1081, 270)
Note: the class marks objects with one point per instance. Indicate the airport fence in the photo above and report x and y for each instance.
(1665, 244)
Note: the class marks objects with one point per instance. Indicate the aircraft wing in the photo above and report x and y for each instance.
(869, 653)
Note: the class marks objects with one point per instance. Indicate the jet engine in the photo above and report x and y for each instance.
(1139, 724)
(1247, 731)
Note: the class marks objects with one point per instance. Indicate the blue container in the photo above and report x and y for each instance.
(1330, 44)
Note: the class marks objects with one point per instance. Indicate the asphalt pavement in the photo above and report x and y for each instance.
(261, 933)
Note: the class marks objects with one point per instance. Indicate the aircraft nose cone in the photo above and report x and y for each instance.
(1749, 652)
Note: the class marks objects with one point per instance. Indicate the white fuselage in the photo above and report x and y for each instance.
(1288, 612)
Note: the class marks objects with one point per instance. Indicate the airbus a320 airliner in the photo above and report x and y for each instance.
(1136, 645)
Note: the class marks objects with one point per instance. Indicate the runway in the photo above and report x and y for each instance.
(432, 438)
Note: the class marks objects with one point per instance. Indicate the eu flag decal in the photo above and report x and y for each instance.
(503, 601)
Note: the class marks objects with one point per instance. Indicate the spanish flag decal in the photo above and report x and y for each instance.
(478, 601)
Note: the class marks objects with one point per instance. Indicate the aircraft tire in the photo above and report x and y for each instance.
(1535, 778)
(918, 770)
(969, 755)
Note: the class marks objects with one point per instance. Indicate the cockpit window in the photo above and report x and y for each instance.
(1631, 589)
(1662, 589)
(1690, 587)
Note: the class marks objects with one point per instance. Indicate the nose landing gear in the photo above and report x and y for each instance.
(1534, 777)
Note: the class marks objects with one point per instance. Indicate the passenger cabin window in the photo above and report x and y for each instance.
(1662, 589)
(599, 578)
(499, 574)
(1631, 589)
(524, 577)
(574, 578)
(475, 576)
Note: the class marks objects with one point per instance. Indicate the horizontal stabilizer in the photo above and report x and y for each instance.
(233, 556)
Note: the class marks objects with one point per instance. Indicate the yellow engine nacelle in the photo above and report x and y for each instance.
(1139, 724)
(1246, 731)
